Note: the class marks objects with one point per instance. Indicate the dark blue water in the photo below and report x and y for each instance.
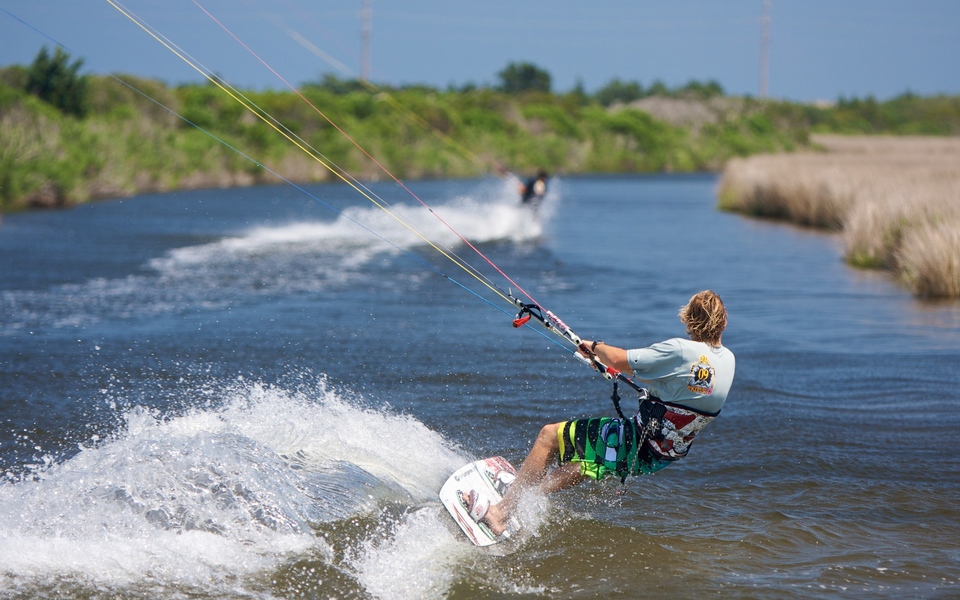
(244, 393)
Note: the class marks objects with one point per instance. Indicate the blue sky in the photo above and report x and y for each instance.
(819, 49)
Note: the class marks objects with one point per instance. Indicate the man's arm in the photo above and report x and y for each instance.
(609, 355)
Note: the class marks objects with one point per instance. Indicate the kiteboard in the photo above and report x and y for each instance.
(471, 490)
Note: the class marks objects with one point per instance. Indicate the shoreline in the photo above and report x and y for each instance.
(894, 200)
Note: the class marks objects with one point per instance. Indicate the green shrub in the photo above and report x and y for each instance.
(54, 80)
(522, 77)
(559, 120)
(619, 91)
(128, 142)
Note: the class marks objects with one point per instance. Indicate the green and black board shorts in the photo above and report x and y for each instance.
(605, 445)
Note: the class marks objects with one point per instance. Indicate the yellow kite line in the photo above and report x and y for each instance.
(381, 94)
(313, 154)
(362, 149)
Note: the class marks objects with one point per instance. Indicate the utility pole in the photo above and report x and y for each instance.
(366, 14)
(764, 46)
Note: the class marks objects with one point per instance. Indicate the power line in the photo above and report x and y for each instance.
(366, 15)
(764, 46)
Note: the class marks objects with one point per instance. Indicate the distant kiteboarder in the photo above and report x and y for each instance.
(534, 189)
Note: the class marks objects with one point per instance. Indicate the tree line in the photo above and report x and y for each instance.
(69, 137)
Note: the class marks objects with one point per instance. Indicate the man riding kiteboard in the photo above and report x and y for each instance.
(687, 383)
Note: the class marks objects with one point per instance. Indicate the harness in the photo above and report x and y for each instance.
(665, 429)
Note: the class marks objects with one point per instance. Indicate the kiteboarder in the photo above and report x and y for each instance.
(535, 188)
(687, 383)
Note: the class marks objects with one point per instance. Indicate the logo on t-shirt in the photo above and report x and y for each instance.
(702, 375)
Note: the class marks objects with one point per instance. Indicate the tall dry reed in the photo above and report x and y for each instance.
(929, 259)
(896, 201)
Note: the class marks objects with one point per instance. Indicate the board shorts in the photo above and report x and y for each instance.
(605, 445)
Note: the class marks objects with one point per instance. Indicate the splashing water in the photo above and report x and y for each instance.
(212, 497)
(239, 484)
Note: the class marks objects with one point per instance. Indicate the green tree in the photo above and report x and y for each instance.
(523, 77)
(55, 81)
(577, 96)
(700, 90)
(658, 88)
(336, 85)
(619, 91)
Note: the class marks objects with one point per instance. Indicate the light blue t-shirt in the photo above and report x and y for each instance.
(688, 373)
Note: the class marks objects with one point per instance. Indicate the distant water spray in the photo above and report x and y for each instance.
(303, 256)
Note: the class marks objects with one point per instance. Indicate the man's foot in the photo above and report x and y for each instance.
(495, 519)
(471, 501)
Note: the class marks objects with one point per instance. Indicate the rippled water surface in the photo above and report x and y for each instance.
(244, 393)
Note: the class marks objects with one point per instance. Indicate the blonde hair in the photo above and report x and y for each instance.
(705, 317)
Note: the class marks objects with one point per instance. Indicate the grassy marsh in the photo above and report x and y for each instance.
(894, 200)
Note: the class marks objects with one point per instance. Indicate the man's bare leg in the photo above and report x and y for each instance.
(533, 473)
(562, 478)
